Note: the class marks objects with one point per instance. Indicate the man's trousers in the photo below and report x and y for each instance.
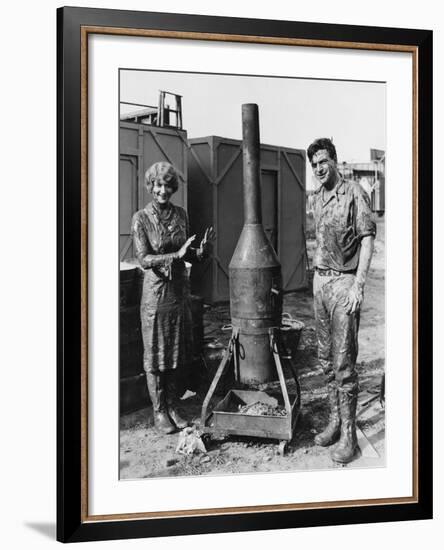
(337, 331)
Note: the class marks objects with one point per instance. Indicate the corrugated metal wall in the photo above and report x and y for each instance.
(215, 198)
(140, 147)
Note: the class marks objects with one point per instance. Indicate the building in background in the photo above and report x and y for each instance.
(215, 197)
(371, 176)
(211, 191)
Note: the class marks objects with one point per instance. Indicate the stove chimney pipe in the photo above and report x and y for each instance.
(251, 163)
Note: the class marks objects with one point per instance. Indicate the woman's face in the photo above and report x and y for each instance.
(162, 191)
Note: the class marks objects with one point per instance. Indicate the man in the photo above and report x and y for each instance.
(345, 232)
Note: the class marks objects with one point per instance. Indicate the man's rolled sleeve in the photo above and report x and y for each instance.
(365, 221)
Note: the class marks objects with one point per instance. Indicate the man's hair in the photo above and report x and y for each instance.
(318, 145)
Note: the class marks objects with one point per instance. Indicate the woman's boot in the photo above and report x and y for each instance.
(331, 433)
(156, 390)
(347, 447)
(172, 400)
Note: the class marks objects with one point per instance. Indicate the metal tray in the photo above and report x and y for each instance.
(228, 420)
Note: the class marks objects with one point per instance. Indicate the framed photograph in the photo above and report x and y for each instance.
(244, 274)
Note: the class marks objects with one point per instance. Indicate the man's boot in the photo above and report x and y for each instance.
(156, 390)
(347, 447)
(172, 400)
(331, 433)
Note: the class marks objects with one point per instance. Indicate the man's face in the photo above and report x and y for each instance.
(324, 168)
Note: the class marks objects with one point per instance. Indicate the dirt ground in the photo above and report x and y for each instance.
(144, 453)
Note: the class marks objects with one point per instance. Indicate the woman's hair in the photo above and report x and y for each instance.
(318, 145)
(162, 170)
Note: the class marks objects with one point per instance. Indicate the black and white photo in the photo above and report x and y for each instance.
(252, 274)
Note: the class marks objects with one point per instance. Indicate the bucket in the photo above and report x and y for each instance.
(291, 330)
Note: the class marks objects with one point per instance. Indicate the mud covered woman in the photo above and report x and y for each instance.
(162, 245)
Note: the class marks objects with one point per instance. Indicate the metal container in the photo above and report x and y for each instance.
(131, 344)
(255, 271)
(133, 393)
(131, 283)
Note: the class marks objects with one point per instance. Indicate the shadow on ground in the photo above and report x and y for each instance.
(48, 530)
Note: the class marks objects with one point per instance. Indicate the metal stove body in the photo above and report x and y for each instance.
(254, 350)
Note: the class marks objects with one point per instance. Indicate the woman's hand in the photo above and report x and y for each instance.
(183, 250)
(208, 238)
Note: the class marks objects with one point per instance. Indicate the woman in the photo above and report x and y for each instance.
(162, 244)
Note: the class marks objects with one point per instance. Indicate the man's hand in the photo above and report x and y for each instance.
(356, 292)
(354, 299)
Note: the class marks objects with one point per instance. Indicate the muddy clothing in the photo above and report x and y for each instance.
(342, 219)
(337, 331)
(165, 306)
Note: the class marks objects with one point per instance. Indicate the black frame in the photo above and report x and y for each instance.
(70, 526)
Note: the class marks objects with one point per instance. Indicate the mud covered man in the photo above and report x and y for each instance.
(345, 233)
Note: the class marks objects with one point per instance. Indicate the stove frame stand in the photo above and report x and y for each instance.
(235, 423)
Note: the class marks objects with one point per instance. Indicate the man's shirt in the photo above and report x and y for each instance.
(342, 219)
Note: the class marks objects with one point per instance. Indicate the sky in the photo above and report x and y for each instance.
(292, 112)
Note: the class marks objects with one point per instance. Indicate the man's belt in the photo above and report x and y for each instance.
(332, 272)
